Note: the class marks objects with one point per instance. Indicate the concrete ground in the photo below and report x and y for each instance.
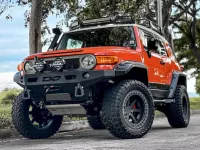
(160, 137)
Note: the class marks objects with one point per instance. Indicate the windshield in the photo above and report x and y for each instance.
(113, 36)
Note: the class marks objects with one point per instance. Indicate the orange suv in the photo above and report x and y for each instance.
(113, 70)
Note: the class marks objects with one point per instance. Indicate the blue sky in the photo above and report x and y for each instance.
(14, 46)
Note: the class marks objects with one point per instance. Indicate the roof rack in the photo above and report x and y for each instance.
(102, 21)
(118, 19)
(149, 24)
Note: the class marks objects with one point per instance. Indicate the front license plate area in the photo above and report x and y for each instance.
(58, 97)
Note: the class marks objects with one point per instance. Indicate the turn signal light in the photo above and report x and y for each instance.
(20, 67)
(106, 60)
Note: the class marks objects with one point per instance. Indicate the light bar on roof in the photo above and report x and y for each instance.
(94, 21)
(124, 19)
(102, 21)
(74, 25)
(106, 20)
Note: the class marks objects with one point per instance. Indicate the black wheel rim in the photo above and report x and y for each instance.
(39, 118)
(185, 105)
(133, 109)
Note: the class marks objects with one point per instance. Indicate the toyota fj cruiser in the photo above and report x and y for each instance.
(113, 70)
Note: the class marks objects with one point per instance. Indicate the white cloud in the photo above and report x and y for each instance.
(9, 66)
(7, 80)
(14, 52)
(191, 85)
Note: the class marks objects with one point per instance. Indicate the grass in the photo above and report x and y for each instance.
(8, 95)
(6, 98)
(5, 116)
(195, 103)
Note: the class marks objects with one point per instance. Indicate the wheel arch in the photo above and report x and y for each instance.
(133, 70)
(178, 78)
(182, 80)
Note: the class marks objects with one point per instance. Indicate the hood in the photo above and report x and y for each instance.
(60, 53)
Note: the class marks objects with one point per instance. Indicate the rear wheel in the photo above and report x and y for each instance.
(95, 122)
(33, 122)
(128, 110)
(178, 113)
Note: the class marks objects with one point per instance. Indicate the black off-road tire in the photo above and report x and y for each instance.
(112, 110)
(23, 125)
(95, 122)
(178, 113)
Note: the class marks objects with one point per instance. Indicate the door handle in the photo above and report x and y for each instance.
(162, 62)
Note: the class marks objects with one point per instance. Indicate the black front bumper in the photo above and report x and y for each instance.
(72, 82)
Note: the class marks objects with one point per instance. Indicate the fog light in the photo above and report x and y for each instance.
(58, 64)
(86, 75)
(39, 65)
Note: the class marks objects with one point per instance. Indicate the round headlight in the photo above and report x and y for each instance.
(88, 62)
(58, 64)
(29, 67)
(39, 65)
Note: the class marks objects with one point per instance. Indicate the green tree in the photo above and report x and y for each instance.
(36, 16)
(88, 9)
(198, 84)
(184, 54)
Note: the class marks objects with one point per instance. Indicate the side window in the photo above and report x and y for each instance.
(160, 47)
(144, 39)
(149, 41)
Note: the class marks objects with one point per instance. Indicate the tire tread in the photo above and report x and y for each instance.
(110, 110)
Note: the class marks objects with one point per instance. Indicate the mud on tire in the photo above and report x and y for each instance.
(23, 124)
(178, 113)
(120, 116)
(95, 122)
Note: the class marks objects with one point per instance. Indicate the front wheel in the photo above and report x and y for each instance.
(33, 122)
(128, 109)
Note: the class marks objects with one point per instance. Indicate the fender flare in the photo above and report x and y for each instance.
(177, 78)
(126, 66)
(129, 69)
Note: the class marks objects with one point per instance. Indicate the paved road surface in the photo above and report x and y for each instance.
(161, 137)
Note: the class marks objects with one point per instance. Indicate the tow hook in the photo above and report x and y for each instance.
(79, 90)
(26, 94)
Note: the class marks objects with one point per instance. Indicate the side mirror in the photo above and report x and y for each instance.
(149, 53)
(132, 44)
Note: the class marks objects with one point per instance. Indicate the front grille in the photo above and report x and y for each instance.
(49, 65)
(70, 64)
